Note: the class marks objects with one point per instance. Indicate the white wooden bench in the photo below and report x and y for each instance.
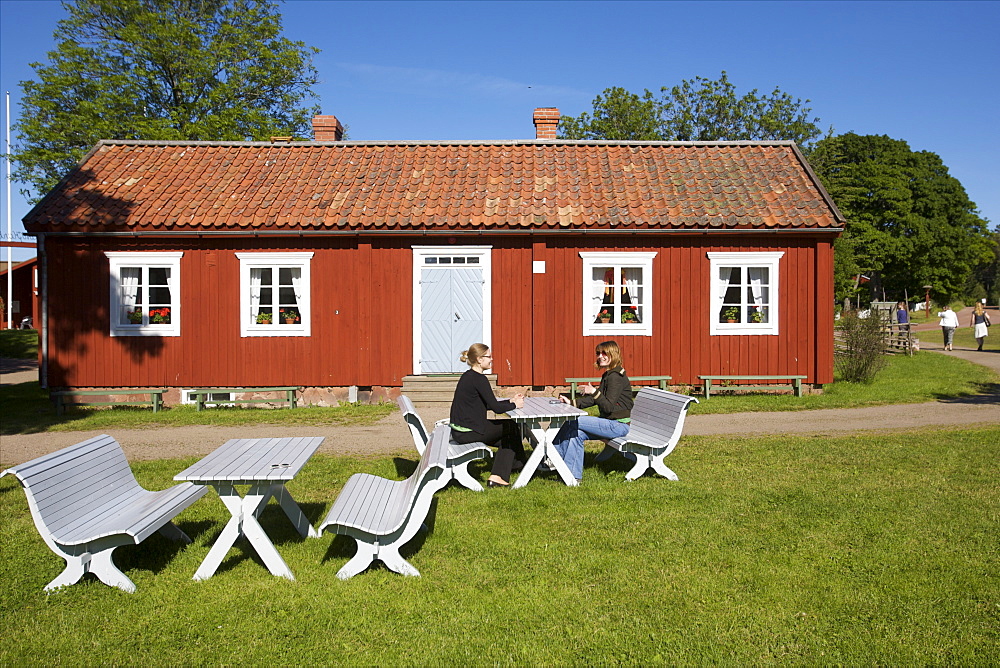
(85, 502)
(459, 455)
(657, 421)
(383, 515)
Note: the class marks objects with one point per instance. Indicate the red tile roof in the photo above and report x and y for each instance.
(527, 185)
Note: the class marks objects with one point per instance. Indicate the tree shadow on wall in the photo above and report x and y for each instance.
(79, 283)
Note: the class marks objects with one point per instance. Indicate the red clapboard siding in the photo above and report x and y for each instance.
(362, 313)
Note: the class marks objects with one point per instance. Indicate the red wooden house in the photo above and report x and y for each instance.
(24, 292)
(331, 263)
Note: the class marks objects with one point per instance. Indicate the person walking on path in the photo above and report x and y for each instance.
(949, 323)
(980, 322)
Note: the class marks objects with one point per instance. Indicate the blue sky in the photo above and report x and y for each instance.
(924, 72)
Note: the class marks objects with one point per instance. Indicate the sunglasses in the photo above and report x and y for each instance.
(603, 354)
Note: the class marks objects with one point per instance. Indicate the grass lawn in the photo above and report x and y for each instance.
(926, 376)
(868, 549)
(19, 344)
(923, 377)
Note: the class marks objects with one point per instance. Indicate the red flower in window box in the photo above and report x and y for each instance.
(159, 316)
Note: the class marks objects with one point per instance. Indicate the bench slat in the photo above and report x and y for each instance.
(459, 455)
(382, 515)
(85, 501)
(655, 428)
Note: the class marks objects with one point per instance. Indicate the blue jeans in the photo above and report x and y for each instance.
(569, 440)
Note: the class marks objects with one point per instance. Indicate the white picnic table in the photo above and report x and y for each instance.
(265, 464)
(544, 416)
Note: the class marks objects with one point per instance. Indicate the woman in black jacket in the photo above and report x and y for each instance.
(613, 398)
(473, 395)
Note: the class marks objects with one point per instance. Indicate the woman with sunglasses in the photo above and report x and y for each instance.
(613, 398)
(473, 395)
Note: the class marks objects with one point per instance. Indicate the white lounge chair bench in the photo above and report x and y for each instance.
(383, 515)
(85, 502)
(459, 455)
(657, 421)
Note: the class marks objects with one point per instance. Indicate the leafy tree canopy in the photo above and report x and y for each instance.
(160, 69)
(696, 110)
(618, 114)
(909, 221)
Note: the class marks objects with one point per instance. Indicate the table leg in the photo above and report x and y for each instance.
(294, 513)
(545, 448)
(244, 522)
(231, 498)
(530, 466)
(549, 436)
(254, 533)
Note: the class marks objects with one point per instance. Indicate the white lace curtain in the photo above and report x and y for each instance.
(725, 281)
(130, 277)
(297, 287)
(596, 296)
(758, 282)
(256, 277)
(758, 278)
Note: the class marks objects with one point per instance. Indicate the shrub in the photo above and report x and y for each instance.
(860, 347)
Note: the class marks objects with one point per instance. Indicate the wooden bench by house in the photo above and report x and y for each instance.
(85, 502)
(657, 422)
(773, 383)
(383, 515)
(459, 455)
(203, 396)
(62, 398)
(661, 381)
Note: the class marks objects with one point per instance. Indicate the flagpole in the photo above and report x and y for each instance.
(10, 236)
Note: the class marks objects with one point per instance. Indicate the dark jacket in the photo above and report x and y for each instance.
(613, 397)
(473, 395)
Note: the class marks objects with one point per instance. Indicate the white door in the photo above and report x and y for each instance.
(451, 306)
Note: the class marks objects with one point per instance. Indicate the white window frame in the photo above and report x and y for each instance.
(145, 261)
(744, 260)
(275, 261)
(186, 397)
(617, 260)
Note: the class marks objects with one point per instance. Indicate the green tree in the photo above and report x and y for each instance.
(987, 275)
(618, 114)
(160, 69)
(908, 220)
(696, 110)
(700, 109)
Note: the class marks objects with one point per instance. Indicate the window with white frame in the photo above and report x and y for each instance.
(274, 294)
(744, 293)
(186, 397)
(145, 293)
(617, 293)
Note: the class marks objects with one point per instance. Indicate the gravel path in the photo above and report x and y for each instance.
(390, 436)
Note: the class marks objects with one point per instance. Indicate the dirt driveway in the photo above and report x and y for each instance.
(390, 436)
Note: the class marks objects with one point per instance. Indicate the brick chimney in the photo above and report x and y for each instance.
(546, 121)
(327, 128)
